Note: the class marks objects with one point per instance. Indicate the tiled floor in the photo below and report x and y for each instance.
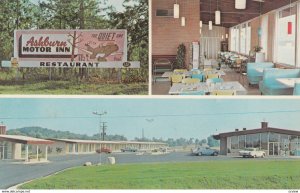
(161, 87)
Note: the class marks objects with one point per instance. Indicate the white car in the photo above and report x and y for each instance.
(252, 152)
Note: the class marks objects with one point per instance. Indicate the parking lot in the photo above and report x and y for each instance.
(12, 173)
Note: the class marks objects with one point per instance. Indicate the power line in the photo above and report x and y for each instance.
(157, 115)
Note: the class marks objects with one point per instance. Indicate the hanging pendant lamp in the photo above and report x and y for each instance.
(176, 10)
(240, 4)
(200, 24)
(210, 21)
(218, 15)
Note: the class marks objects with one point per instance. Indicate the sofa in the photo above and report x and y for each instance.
(253, 75)
(297, 89)
(270, 86)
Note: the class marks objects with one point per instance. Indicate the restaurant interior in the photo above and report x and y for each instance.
(225, 47)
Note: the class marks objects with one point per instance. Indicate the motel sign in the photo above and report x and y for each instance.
(71, 49)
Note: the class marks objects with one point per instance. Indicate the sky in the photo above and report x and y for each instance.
(157, 117)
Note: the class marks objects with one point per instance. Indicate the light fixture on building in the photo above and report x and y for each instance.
(226, 36)
(222, 37)
(182, 21)
(200, 24)
(210, 25)
(218, 15)
(176, 10)
(240, 4)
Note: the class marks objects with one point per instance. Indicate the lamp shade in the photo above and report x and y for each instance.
(176, 11)
(182, 21)
(240, 4)
(226, 36)
(200, 24)
(218, 17)
(210, 25)
(222, 37)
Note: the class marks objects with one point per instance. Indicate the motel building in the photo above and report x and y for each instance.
(274, 141)
(30, 149)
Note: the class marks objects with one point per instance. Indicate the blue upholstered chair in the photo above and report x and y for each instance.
(193, 93)
(198, 76)
(271, 86)
(255, 76)
(214, 80)
(297, 89)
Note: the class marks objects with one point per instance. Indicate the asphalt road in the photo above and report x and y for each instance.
(12, 173)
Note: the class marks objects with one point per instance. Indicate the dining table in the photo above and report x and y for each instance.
(290, 82)
(180, 88)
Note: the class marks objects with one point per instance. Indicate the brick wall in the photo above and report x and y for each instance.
(167, 32)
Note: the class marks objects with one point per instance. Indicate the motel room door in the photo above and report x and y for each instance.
(274, 148)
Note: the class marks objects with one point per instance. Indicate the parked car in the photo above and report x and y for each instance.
(205, 151)
(104, 150)
(128, 149)
(252, 152)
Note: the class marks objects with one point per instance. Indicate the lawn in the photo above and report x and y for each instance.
(237, 174)
(74, 88)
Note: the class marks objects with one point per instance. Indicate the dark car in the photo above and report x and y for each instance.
(104, 150)
(128, 149)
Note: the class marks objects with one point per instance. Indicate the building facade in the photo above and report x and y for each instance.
(274, 141)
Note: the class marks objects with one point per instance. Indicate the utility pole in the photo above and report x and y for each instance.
(104, 127)
(100, 115)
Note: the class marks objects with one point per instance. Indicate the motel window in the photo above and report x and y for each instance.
(242, 141)
(273, 137)
(264, 141)
(234, 142)
(164, 12)
(286, 36)
(240, 40)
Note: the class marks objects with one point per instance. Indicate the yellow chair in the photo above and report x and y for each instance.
(209, 76)
(176, 78)
(224, 92)
(180, 70)
(207, 69)
(190, 80)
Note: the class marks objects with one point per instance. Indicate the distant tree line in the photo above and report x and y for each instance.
(76, 14)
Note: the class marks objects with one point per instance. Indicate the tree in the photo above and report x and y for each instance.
(211, 142)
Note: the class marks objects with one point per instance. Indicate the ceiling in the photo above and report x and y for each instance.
(231, 16)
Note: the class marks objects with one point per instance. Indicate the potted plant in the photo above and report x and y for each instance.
(180, 58)
(259, 56)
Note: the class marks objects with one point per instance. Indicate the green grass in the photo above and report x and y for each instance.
(74, 88)
(242, 174)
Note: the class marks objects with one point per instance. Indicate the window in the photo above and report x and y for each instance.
(264, 141)
(242, 140)
(240, 40)
(286, 36)
(164, 12)
(264, 35)
(234, 142)
(243, 39)
(274, 137)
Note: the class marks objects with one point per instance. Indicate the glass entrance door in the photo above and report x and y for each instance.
(274, 148)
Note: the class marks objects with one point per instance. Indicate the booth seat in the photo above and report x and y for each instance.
(253, 75)
(270, 86)
(297, 89)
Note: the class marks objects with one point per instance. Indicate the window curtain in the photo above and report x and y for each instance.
(210, 41)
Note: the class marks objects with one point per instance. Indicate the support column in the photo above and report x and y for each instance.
(73, 147)
(3, 149)
(46, 153)
(37, 152)
(26, 153)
